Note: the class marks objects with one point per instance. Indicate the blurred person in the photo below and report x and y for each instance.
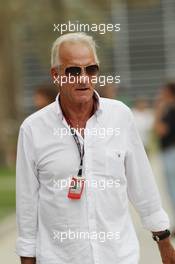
(46, 213)
(144, 118)
(45, 94)
(108, 91)
(165, 129)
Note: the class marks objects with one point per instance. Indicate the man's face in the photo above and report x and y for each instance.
(165, 94)
(81, 55)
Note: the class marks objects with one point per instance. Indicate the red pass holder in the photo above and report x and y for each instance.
(76, 187)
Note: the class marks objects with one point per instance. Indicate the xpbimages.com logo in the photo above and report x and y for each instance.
(101, 236)
(102, 80)
(101, 28)
(100, 132)
(100, 184)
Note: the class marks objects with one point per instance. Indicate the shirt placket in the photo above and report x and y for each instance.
(87, 172)
(90, 197)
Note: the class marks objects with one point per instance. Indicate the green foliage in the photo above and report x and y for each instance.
(7, 192)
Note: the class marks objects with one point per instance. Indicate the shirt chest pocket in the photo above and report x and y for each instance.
(114, 163)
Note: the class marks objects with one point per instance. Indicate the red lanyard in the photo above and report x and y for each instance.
(77, 182)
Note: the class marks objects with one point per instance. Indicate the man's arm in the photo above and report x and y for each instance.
(166, 249)
(27, 187)
(143, 192)
(25, 260)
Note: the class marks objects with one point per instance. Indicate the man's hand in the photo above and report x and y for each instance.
(27, 260)
(167, 251)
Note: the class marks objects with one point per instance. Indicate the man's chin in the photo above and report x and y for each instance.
(83, 96)
(83, 99)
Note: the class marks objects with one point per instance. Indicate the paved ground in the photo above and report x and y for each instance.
(7, 241)
(148, 246)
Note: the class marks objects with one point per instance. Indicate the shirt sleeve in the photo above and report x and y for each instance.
(141, 186)
(27, 186)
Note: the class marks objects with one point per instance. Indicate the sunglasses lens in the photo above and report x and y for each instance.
(74, 71)
(92, 70)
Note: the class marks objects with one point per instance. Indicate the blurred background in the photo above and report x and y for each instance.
(142, 53)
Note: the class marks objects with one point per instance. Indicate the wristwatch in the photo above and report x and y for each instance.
(162, 235)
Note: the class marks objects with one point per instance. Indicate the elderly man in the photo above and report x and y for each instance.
(78, 221)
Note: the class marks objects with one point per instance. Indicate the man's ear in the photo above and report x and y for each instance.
(54, 75)
(54, 72)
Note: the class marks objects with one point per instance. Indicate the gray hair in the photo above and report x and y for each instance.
(71, 37)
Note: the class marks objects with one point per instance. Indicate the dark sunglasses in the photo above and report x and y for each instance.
(75, 70)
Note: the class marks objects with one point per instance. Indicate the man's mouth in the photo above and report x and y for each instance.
(82, 89)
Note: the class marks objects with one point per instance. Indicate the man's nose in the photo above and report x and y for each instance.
(83, 78)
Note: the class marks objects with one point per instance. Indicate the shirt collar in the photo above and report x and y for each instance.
(96, 95)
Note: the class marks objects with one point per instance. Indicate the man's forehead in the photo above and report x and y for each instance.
(76, 53)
